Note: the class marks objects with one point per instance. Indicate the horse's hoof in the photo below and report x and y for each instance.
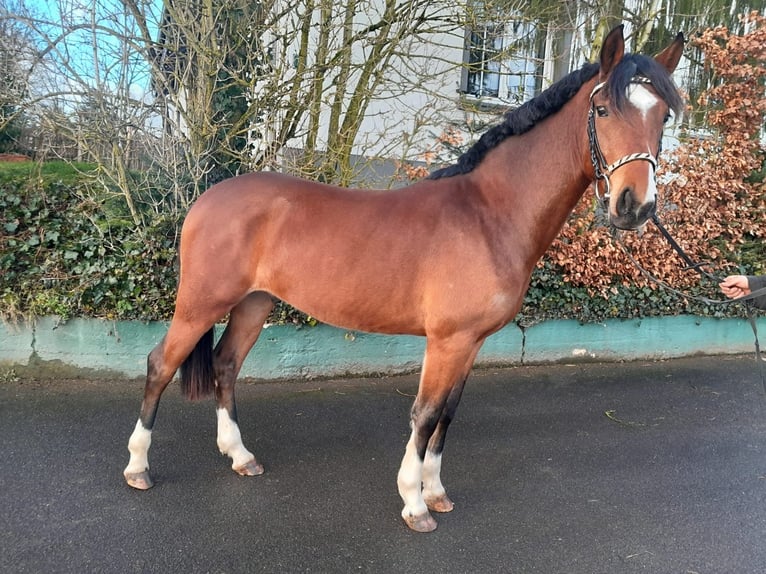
(251, 468)
(423, 523)
(440, 503)
(139, 480)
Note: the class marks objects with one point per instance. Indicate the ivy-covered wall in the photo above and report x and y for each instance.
(63, 252)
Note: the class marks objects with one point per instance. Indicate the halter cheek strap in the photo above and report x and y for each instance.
(601, 169)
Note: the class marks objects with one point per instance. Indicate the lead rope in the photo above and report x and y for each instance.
(746, 300)
(602, 171)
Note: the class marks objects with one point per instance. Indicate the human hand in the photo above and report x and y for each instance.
(735, 286)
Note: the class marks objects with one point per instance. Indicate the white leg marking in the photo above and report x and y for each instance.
(410, 481)
(138, 445)
(230, 440)
(432, 482)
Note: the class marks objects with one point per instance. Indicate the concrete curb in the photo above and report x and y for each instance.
(48, 347)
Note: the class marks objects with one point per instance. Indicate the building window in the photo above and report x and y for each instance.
(484, 54)
(503, 62)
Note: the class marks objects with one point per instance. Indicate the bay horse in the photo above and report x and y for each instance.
(449, 257)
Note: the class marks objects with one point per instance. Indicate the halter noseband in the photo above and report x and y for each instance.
(601, 169)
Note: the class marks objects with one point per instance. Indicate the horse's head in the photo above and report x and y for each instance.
(629, 105)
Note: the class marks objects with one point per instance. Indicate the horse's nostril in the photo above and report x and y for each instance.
(631, 212)
(646, 210)
(625, 202)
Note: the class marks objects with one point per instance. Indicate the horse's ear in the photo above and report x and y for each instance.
(671, 55)
(612, 50)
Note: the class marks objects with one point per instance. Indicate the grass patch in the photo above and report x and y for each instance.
(46, 172)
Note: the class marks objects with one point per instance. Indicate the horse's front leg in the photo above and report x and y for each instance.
(445, 368)
(434, 493)
(245, 324)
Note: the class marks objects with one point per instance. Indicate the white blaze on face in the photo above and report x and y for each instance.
(644, 100)
(651, 188)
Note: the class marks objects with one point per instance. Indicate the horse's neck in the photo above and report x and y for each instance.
(534, 181)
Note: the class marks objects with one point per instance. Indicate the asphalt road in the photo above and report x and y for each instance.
(607, 468)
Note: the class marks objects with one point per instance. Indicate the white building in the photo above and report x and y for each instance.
(449, 67)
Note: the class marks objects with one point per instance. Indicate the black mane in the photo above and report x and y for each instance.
(526, 116)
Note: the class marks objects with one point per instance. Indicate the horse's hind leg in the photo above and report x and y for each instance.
(163, 361)
(245, 323)
(445, 368)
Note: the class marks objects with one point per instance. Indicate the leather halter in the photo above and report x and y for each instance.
(601, 169)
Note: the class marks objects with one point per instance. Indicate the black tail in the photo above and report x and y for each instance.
(197, 376)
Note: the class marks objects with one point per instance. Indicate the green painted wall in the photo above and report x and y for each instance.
(49, 347)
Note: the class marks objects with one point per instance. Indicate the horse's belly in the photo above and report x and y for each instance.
(361, 310)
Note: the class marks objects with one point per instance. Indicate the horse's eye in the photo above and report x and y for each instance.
(602, 111)
(666, 118)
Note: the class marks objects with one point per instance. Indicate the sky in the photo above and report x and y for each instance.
(90, 50)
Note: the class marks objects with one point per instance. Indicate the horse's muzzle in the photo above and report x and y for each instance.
(629, 213)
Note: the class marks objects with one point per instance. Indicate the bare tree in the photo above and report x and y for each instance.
(296, 75)
(15, 52)
(169, 97)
